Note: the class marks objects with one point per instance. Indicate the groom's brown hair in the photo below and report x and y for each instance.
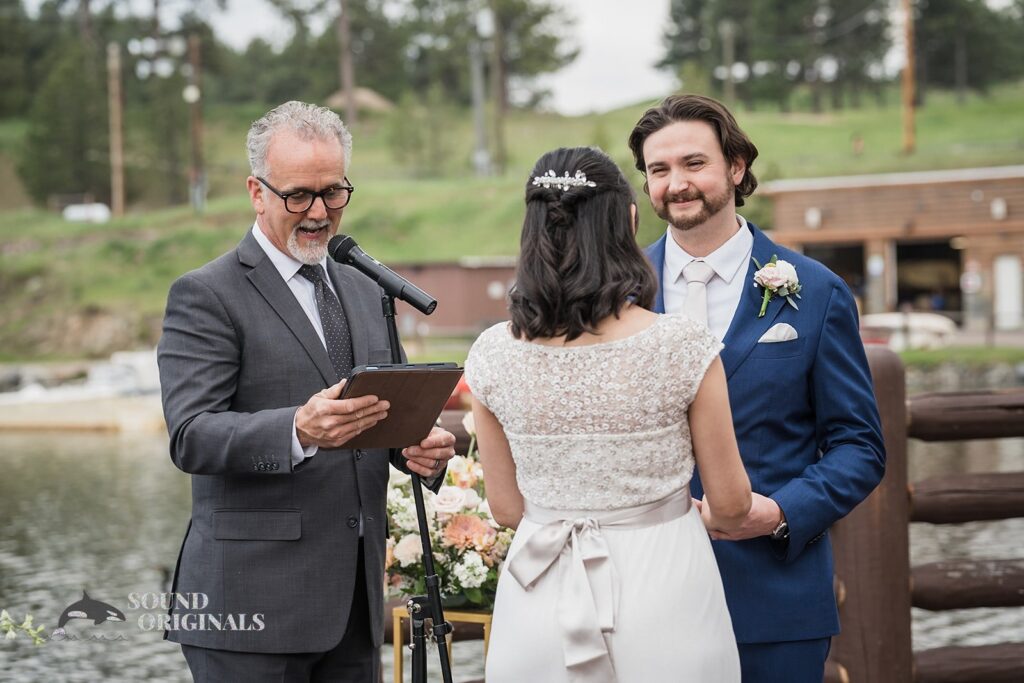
(734, 142)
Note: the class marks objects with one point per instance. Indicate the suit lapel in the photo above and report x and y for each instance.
(267, 280)
(356, 314)
(746, 328)
(656, 255)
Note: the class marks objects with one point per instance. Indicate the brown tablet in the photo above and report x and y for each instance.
(417, 393)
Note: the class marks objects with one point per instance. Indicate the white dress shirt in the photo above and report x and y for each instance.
(305, 293)
(729, 261)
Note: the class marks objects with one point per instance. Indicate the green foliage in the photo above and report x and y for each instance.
(963, 355)
(777, 46)
(10, 628)
(968, 44)
(66, 147)
(14, 59)
(125, 267)
(419, 134)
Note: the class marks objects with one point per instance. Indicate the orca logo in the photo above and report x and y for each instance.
(87, 608)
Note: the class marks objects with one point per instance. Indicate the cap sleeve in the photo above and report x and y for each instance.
(482, 364)
(696, 349)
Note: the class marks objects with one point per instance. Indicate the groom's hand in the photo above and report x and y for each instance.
(765, 514)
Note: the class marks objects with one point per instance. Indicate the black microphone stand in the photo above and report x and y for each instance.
(427, 606)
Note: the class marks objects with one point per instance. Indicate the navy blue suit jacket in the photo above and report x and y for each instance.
(810, 438)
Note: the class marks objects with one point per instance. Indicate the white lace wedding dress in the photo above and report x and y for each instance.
(610, 576)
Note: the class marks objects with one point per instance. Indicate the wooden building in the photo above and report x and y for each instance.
(471, 295)
(950, 241)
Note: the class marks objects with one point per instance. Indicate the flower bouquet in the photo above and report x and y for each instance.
(468, 545)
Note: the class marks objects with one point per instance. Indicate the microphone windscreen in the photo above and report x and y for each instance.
(340, 246)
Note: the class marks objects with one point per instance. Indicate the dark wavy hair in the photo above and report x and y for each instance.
(734, 142)
(579, 261)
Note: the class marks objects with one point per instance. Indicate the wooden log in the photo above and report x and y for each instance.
(1003, 663)
(964, 584)
(959, 415)
(872, 555)
(955, 498)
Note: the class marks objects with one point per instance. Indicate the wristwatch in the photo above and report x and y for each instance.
(781, 532)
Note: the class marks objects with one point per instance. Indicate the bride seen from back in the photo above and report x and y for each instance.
(591, 412)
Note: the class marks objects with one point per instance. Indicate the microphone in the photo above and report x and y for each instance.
(344, 250)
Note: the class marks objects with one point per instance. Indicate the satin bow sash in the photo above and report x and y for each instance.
(587, 582)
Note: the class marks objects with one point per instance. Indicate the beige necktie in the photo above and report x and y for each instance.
(697, 275)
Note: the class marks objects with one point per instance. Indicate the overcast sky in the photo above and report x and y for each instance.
(619, 41)
(619, 44)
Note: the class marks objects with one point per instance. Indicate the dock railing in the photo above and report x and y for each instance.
(875, 584)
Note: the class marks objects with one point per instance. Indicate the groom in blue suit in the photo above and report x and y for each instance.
(802, 400)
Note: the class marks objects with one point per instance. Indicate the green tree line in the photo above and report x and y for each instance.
(787, 54)
(53, 73)
(833, 52)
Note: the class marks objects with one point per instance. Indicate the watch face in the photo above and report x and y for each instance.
(781, 531)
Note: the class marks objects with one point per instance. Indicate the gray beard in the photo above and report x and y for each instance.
(312, 255)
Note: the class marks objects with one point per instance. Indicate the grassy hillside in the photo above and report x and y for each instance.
(70, 289)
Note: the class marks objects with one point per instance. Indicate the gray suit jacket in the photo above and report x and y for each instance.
(238, 356)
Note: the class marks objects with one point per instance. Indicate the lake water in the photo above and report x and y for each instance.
(106, 514)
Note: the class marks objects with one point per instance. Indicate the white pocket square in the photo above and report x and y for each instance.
(778, 332)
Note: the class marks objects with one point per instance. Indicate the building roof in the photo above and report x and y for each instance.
(956, 175)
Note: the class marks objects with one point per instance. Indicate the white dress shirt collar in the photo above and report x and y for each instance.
(728, 261)
(287, 265)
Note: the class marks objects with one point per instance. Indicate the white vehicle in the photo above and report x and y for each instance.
(903, 331)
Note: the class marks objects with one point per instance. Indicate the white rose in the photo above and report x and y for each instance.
(449, 500)
(458, 465)
(787, 272)
(769, 277)
(470, 499)
(409, 550)
(469, 424)
(397, 477)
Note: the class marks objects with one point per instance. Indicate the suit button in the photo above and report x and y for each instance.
(274, 465)
(353, 522)
(262, 467)
(359, 454)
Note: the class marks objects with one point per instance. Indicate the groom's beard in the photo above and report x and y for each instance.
(710, 206)
(313, 253)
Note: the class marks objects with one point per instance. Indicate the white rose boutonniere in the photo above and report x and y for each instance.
(778, 278)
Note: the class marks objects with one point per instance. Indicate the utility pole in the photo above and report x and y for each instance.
(727, 30)
(116, 140)
(193, 95)
(498, 88)
(348, 79)
(481, 155)
(909, 80)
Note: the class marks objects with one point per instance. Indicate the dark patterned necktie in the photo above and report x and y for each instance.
(337, 337)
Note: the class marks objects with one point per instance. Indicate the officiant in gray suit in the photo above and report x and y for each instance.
(282, 567)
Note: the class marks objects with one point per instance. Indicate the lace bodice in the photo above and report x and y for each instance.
(596, 427)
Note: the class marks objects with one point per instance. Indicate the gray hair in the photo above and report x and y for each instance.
(308, 121)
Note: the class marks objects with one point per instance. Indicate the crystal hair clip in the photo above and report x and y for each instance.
(563, 183)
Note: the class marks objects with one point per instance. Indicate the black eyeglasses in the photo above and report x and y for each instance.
(301, 201)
